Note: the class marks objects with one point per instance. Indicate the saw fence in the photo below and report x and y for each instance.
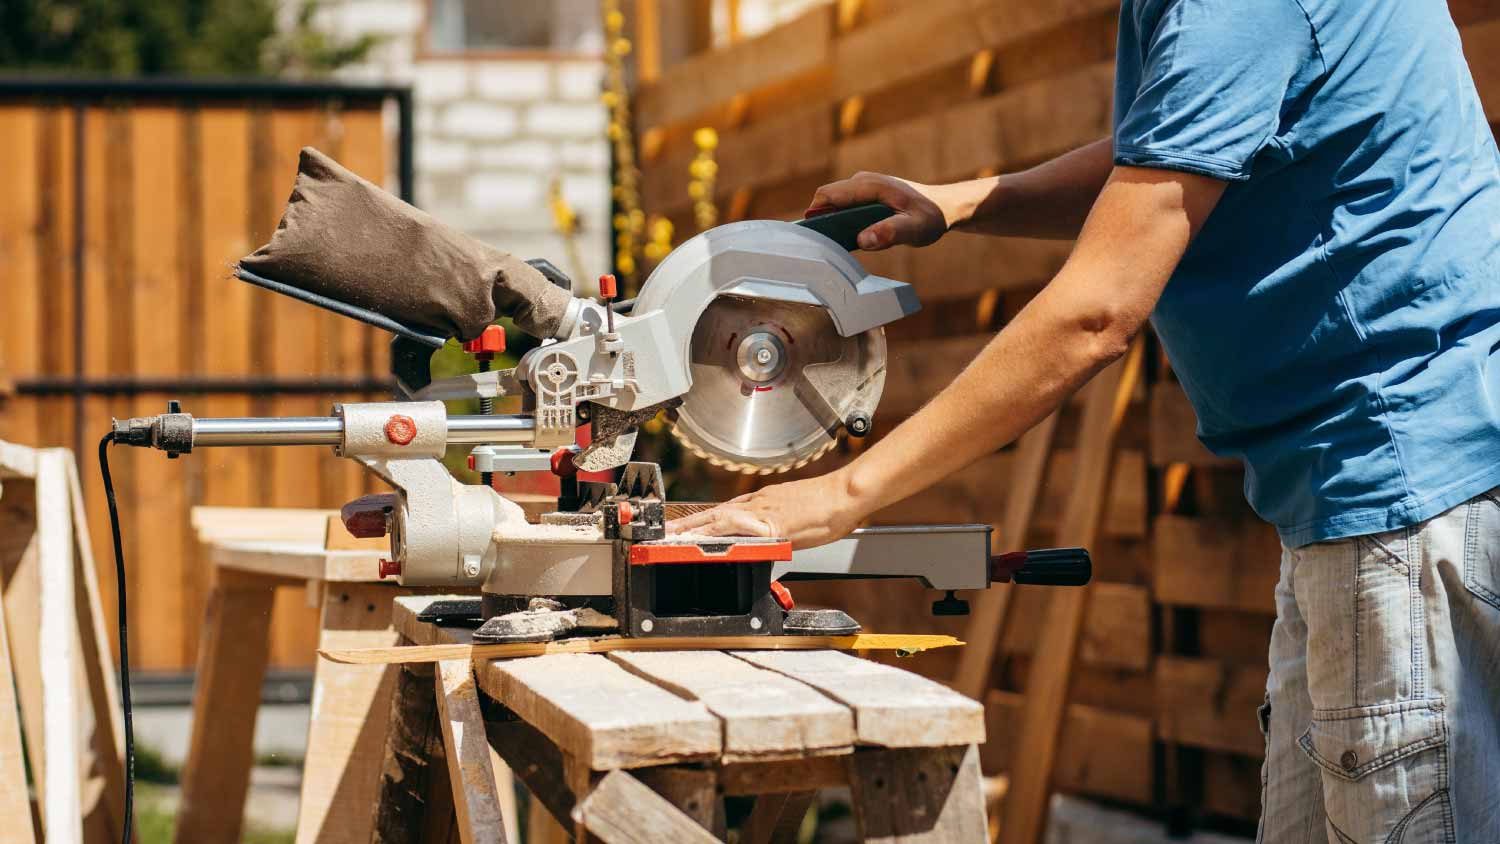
(1151, 690)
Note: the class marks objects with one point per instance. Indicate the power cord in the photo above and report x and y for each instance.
(114, 528)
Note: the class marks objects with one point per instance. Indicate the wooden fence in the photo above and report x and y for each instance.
(1171, 662)
(122, 206)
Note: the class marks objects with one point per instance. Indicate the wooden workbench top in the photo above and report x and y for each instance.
(630, 709)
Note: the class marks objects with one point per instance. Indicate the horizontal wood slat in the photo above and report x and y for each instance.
(698, 84)
(880, 54)
(1220, 563)
(1103, 753)
(1207, 704)
(978, 492)
(1173, 430)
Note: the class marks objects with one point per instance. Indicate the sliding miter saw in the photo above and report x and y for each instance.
(761, 340)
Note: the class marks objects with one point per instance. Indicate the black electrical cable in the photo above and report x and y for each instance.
(114, 527)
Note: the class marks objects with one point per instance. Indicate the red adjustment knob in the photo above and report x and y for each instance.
(365, 517)
(607, 287)
(489, 343)
(782, 595)
(562, 463)
(390, 568)
(625, 512)
(400, 429)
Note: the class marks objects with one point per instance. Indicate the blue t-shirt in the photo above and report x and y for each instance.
(1336, 321)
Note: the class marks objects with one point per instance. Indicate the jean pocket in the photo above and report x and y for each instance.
(1482, 549)
(1385, 772)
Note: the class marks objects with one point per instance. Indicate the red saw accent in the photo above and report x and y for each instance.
(782, 595)
(760, 552)
(489, 343)
(400, 429)
(1002, 566)
(365, 517)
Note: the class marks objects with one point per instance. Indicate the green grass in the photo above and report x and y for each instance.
(154, 822)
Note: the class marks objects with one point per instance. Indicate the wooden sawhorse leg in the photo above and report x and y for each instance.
(437, 775)
(232, 658)
(918, 795)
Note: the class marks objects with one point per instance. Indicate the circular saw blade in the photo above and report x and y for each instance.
(770, 379)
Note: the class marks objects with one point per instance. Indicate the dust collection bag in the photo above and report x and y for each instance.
(345, 238)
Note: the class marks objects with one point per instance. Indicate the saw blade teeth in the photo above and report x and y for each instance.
(682, 436)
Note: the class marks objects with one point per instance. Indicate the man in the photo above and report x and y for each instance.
(1303, 197)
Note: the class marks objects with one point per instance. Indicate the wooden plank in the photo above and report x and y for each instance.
(1012, 129)
(1103, 753)
(350, 715)
(918, 795)
(156, 305)
(915, 372)
(539, 765)
(294, 472)
(764, 714)
(594, 710)
(909, 643)
(231, 524)
(697, 84)
(1174, 430)
(305, 560)
(693, 789)
(15, 803)
(107, 739)
(1108, 396)
(20, 584)
(410, 762)
(232, 655)
(1208, 704)
(1116, 630)
(786, 776)
(978, 492)
(784, 147)
(57, 649)
(892, 708)
(777, 818)
(988, 620)
(20, 261)
(476, 802)
(439, 643)
(964, 264)
(622, 810)
(223, 310)
(1481, 42)
(1214, 562)
(601, 714)
(878, 55)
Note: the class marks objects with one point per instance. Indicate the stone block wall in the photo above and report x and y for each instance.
(493, 132)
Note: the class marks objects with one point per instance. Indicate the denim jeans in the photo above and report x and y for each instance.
(1382, 714)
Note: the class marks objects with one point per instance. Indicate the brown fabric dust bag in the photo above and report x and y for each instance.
(345, 238)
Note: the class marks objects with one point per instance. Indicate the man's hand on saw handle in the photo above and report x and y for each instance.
(920, 217)
(810, 513)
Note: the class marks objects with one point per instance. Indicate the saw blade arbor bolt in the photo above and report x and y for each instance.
(761, 356)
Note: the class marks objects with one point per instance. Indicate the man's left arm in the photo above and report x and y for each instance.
(1085, 319)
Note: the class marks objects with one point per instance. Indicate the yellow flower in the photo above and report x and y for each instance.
(706, 138)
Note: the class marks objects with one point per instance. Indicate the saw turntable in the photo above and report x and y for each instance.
(762, 341)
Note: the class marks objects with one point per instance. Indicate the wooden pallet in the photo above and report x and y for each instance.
(638, 746)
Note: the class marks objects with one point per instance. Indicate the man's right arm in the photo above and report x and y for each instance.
(1050, 200)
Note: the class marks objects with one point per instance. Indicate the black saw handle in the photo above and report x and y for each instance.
(844, 225)
(1046, 567)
